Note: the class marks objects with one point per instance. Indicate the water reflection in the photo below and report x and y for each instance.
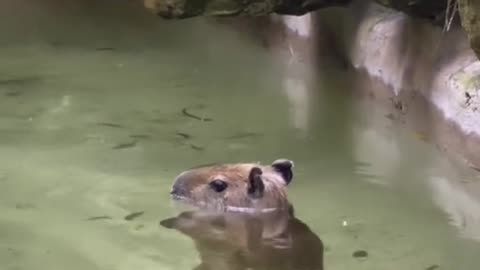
(241, 241)
(460, 204)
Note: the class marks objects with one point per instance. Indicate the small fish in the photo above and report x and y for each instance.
(186, 113)
(125, 145)
(140, 136)
(110, 125)
(134, 215)
(244, 135)
(24, 206)
(99, 217)
(360, 254)
(105, 49)
(196, 147)
(432, 267)
(475, 168)
(390, 116)
(14, 252)
(24, 80)
(13, 94)
(179, 85)
(184, 135)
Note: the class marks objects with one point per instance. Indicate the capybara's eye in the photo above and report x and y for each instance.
(218, 185)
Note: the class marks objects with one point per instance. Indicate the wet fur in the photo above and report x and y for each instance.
(251, 186)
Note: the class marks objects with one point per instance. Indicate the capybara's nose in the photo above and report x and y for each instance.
(179, 191)
(180, 186)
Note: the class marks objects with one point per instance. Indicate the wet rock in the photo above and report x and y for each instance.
(295, 7)
(182, 9)
(360, 254)
(430, 9)
(470, 18)
(466, 84)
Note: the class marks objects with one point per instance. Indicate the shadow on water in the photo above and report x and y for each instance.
(241, 241)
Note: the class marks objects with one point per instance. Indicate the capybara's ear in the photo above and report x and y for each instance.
(255, 187)
(284, 167)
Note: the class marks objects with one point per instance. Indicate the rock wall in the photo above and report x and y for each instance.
(182, 9)
(437, 12)
(470, 14)
(418, 48)
(429, 81)
(423, 64)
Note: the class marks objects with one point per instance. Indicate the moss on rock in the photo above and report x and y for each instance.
(181, 9)
(470, 17)
(466, 85)
(429, 9)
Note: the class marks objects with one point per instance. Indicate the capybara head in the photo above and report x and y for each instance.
(241, 187)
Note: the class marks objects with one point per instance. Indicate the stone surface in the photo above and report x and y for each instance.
(431, 9)
(182, 9)
(470, 16)
(411, 55)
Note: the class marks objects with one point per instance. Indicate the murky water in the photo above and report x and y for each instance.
(94, 127)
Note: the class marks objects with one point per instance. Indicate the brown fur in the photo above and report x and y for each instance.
(193, 186)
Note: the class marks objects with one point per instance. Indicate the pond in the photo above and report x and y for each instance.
(102, 107)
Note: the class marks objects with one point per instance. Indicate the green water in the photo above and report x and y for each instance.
(87, 132)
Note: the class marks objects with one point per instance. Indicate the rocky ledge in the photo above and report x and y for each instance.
(436, 11)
